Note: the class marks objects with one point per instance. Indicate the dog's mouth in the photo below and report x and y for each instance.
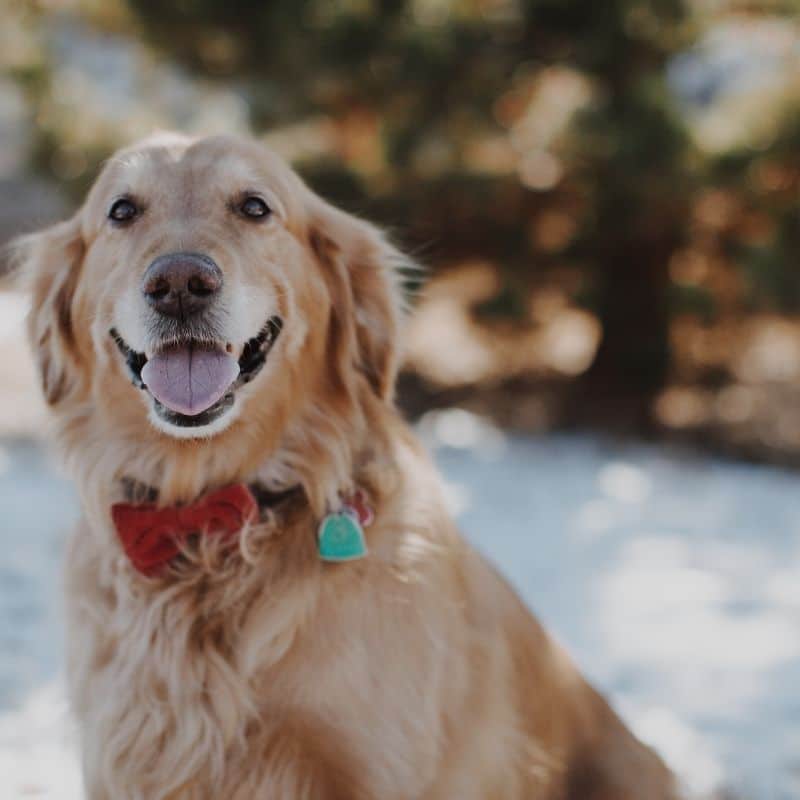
(193, 383)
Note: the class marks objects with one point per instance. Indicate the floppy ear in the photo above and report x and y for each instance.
(364, 271)
(48, 264)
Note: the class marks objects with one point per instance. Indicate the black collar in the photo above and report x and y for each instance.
(267, 499)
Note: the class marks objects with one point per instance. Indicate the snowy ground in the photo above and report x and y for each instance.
(675, 583)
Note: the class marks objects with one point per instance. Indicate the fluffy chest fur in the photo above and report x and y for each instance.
(267, 661)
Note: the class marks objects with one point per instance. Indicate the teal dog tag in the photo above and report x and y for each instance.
(341, 538)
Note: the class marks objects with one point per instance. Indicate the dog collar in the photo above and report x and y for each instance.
(153, 536)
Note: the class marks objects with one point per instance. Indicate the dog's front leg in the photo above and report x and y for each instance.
(298, 759)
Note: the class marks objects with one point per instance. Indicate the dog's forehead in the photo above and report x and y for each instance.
(214, 164)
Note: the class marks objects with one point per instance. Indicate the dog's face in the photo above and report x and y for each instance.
(196, 265)
(202, 289)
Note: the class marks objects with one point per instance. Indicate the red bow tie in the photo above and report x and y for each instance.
(152, 536)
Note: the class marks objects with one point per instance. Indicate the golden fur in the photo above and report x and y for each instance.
(265, 673)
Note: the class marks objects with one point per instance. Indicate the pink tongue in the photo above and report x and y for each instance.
(189, 379)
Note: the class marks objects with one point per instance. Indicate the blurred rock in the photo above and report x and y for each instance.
(22, 410)
(27, 204)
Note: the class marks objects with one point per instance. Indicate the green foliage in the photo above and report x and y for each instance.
(692, 300)
(765, 184)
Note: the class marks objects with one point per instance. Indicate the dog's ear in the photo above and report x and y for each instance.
(365, 272)
(48, 265)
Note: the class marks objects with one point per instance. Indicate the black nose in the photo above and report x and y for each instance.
(181, 284)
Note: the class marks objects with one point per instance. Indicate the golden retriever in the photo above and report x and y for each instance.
(206, 321)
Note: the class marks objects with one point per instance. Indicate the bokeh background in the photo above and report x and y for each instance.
(605, 350)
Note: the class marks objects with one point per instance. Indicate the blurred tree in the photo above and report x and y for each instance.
(529, 145)
(453, 109)
(631, 154)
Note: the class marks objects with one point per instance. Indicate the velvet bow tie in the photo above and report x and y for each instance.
(152, 536)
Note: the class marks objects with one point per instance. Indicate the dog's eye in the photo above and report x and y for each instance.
(254, 208)
(123, 210)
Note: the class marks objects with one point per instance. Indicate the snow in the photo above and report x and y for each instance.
(673, 580)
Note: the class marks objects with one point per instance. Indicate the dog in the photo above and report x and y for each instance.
(265, 595)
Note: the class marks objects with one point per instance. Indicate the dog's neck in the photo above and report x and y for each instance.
(327, 454)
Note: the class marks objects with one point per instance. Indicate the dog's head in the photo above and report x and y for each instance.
(203, 292)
